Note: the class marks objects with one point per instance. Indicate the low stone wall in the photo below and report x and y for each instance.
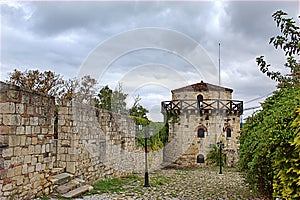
(26, 126)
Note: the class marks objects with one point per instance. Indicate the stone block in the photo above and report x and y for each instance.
(8, 107)
(34, 121)
(30, 149)
(71, 167)
(7, 152)
(12, 119)
(63, 110)
(19, 108)
(28, 129)
(17, 151)
(37, 149)
(20, 180)
(20, 130)
(37, 129)
(7, 187)
(24, 169)
(14, 140)
(30, 169)
(40, 158)
(30, 110)
(18, 170)
(3, 140)
(22, 140)
(38, 167)
(28, 140)
(34, 140)
(27, 159)
(33, 160)
(10, 173)
(7, 164)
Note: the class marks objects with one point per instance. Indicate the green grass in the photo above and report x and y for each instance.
(113, 185)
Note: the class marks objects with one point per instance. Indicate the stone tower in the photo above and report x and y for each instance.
(199, 116)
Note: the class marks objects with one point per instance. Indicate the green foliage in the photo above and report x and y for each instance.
(113, 184)
(159, 138)
(287, 169)
(104, 98)
(213, 157)
(265, 141)
(269, 152)
(289, 42)
(138, 110)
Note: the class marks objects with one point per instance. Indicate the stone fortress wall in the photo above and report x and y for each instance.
(26, 142)
(90, 143)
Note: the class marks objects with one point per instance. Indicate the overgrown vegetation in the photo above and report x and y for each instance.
(159, 138)
(110, 185)
(213, 157)
(270, 140)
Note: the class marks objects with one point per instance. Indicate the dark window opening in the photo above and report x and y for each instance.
(55, 126)
(228, 132)
(200, 101)
(200, 158)
(201, 133)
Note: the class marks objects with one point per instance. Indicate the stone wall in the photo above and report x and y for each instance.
(26, 126)
(90, 143)
(94, 143)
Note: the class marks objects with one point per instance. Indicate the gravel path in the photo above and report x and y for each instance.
(203, 183)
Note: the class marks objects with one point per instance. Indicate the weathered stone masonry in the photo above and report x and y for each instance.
(91, 143)
(94, 143)
(25, 142)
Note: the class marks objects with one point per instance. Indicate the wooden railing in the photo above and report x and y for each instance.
(208, 106)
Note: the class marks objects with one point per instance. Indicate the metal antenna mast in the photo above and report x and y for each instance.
(219, 64)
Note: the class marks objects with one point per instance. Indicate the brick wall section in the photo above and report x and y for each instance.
(26, 126)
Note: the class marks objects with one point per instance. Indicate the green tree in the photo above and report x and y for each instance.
(289, 42)
(269, 139)
(138, 110)
(104, 98)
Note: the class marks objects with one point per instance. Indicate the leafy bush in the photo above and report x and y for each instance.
(213, 157)
(287, 169)
(266, 150)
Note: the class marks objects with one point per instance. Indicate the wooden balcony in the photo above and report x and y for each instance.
(208, 106)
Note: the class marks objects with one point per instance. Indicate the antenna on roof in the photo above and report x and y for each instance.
(219, 64)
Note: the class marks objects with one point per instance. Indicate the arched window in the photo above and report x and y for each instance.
(200, 158)
(228, 132)
(200, 101)
(201, 133)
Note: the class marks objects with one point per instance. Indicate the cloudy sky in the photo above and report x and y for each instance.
(151, 47)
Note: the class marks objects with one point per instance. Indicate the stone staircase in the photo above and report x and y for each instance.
(66, 185)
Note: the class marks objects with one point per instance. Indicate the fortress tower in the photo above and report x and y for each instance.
(199, 116)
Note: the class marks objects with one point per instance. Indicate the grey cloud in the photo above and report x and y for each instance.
(254, 18)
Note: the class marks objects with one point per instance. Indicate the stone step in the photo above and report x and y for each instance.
(62, 189)
(61, 178)
(78, 191)
(57, 170)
